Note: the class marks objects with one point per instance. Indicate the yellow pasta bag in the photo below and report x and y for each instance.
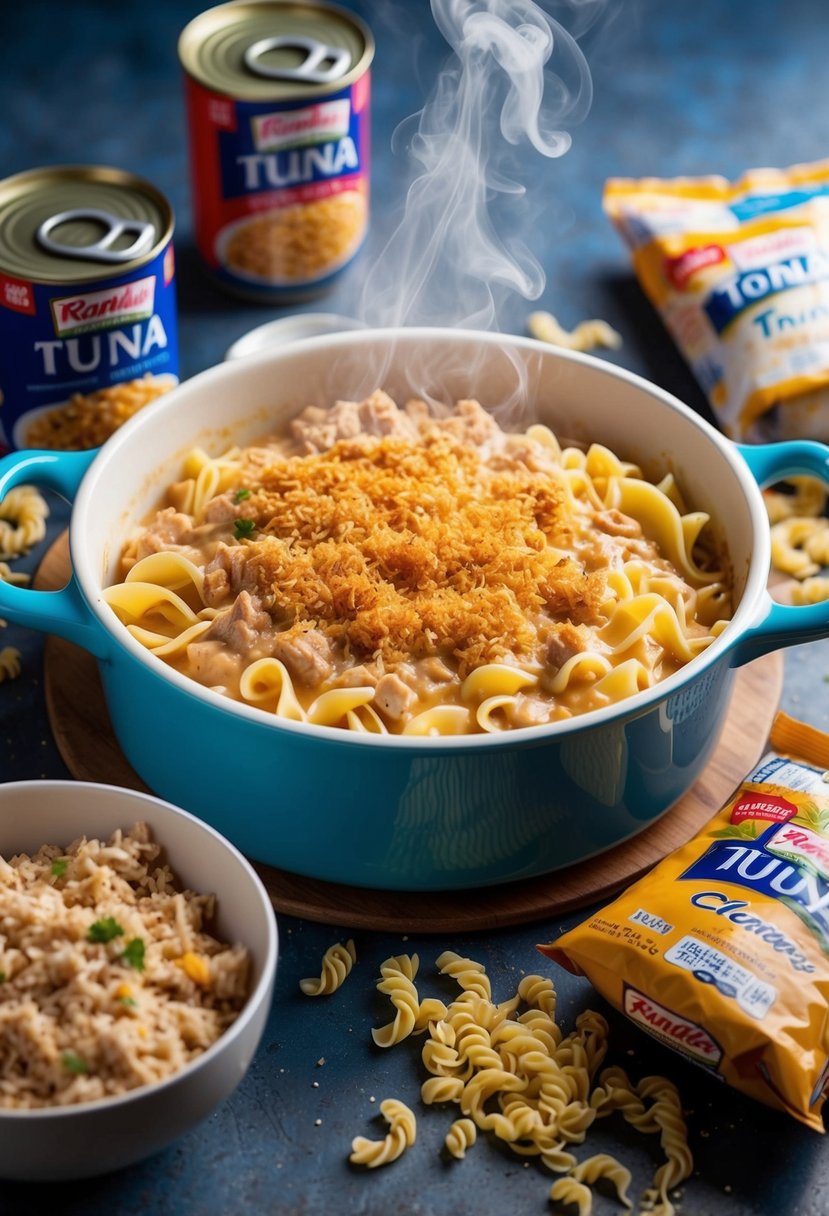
(722, 950)
(739, 273)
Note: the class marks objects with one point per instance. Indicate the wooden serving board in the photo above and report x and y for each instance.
(80, 722)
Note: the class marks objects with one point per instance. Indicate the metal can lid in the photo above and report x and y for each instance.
(275, 50)
(79, 223)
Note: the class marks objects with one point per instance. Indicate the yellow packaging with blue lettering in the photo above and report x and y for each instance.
(722, 950)
(739, 273)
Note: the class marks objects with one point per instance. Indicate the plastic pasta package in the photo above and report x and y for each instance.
(739, 273)
(722, 950)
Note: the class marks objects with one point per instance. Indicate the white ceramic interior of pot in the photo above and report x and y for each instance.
(519, 380)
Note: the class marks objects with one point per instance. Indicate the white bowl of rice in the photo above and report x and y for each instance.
(137, 960)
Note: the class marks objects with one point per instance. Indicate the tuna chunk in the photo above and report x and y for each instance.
(393, 697)
(224, 573)
(168, 529)
(563, 644)
(306, 654)
(222, 509)
(317, 430)
(242, 627)
(380, 416)
(357, 677)
(213, 664)
(472, 424)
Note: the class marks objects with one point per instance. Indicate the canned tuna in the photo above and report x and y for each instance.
(87, 304)
(278, 106)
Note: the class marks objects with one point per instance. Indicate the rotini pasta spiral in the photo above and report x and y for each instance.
(397, 982)
(9, 663)
(470, 975)
(461, 1135)
(441, 1089)
(603, 1165)
(568, 1191)
(666, 1112)
(808, 497)
(336, 965)
(538, 992)
(23, 515)
(401, 1134)
(800, 545)
(585, 336)
(442, 1060)
(7, 575)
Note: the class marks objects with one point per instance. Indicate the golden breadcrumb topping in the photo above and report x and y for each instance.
(402, 550)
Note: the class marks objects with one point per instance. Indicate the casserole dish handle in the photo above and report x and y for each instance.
(784, 624)
(63, 612)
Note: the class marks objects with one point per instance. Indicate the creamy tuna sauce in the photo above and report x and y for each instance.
(383, 569)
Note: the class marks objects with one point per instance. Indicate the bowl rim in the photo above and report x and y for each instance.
(629, 708)
(256, 997)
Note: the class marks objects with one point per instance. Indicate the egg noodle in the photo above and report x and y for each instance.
(388, 570)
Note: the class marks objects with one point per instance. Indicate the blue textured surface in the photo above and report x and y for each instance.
(705, 88)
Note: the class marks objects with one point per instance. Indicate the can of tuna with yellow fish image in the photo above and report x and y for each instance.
(278, 108)
(88, 330)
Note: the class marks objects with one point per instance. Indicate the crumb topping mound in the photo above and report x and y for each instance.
(403, 550)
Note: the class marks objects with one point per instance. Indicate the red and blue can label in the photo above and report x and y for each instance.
(71, 337)
(280, 184)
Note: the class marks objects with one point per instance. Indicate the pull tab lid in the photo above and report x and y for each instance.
(274, 51)
(322, 64)
(104, 249)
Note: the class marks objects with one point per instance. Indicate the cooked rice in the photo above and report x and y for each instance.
(79, 1021)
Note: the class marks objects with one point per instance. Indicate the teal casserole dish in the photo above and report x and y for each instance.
(391, 811)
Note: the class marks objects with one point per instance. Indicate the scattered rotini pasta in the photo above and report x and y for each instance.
(666, 1113)
(461, 1136)
(800, 545)
(401, 1134)
(810, 591)
(603, 1165)
(470, 975)
(568, 1191)
(616, 1092)
(586, 335)
(412, 1015)
(337, 962)
(7, 575)
(511, 1072)
(23, 515)
(9, 663)
(807, 498)
(441, 1088)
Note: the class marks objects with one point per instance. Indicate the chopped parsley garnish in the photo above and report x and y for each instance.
(2, 977)
(241, 495)
(73, 1063)
(129, 1001)
(104, 930)
(243, 528)
(59, 866)
(134, 953)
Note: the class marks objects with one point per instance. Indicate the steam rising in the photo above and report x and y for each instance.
(515, 78)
